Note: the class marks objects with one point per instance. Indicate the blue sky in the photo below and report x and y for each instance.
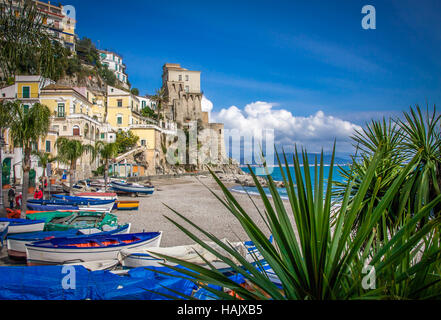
(300, 56)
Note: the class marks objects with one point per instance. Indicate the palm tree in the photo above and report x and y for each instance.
(69, 151)
(27, 127)
(159, 98)
(5, 116)
(44, 158)
(107, 151)
(34, 51)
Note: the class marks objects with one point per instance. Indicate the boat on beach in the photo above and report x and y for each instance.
(96, 265)
(16, 243)
(59, 221)
(74, 203)
(148, 257)
(3, 231)
(127, 205)
(98, 195)
(132, 188)
(90, 248)
(23, 225)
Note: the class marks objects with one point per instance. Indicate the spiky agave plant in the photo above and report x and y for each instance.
(313, 258)
(384, 135)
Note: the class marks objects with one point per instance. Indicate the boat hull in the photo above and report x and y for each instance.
(132, 259)
(132, 189)
(17, 244)
(23, 226)
(127, 205)
(37, 255)
(55, 207)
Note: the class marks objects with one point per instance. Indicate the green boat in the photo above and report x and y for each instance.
(60, 221)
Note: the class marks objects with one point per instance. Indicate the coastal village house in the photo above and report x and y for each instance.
(90, 115)
(115, 63)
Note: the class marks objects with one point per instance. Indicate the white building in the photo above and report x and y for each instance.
(115, 63)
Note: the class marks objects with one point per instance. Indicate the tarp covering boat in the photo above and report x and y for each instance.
(46, 283)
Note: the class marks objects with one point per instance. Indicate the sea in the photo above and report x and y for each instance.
(276, 174)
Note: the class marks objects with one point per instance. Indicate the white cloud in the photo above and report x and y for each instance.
(207, 105)
(314, 132)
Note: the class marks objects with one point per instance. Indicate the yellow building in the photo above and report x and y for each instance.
(119, 108)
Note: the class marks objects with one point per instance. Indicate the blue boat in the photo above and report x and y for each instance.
(17, 242)
(73, 198)
(132, 188)
(66, 204)
(38, 207)
(23, 225)
(88, 248)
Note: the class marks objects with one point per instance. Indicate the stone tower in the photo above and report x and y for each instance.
(183, 89)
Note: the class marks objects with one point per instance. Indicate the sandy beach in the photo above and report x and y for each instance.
(188, 196)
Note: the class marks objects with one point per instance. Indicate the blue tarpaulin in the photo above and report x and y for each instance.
(46, 283)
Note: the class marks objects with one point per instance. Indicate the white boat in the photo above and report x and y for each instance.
(96, 265)
(88, 248)
(147, 257)
(133, 188)
(23, 225)
(17, 243)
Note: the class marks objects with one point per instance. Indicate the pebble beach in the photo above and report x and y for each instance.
(191, 197)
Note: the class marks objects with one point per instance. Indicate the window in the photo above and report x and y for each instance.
(48, 146)
(102, 136)
(26, 92)
(187, 88)
(73, 108)
(119, 102)
(143, 104)
(143, 142)
(180, 77)
(60, 110)
(25, 108)
(119, 120)
(186, 77)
